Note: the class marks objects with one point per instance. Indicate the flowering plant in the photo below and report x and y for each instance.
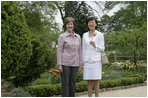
(127, 66)
(105, 76)
(54, 72)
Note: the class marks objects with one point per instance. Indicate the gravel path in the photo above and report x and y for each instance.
(140, 91)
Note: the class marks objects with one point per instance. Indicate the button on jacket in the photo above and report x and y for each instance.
(69, 51)
(89, 53)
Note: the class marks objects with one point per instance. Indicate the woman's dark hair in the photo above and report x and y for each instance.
(92, 18)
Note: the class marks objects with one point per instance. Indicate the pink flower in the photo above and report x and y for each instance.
(94, 34)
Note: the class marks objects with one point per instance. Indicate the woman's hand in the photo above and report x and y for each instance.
(80, 68)
(93, 44)
(60, 68)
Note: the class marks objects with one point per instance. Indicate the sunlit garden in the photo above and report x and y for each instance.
(29, 38)
(113, 75)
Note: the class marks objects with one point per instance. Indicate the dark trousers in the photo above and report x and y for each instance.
(68, 76)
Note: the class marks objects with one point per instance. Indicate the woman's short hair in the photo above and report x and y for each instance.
(67, 20)
(92, 18)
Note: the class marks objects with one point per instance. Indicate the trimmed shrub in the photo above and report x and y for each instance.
(41, 61)
(50, 90)
(19, 92)
(16, 44)
(44, 90)
(42, 81)
(22, 57)
(81, 86)
(79, 76)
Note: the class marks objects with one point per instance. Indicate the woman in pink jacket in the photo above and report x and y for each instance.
(69, 58)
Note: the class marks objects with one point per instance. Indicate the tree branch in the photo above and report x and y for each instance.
(79, 7)
(60, 9)
(93, 9)
(99, 6)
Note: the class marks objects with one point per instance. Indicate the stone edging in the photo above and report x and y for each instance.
(114, 88)
(108, 89)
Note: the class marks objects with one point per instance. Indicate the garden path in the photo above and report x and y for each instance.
(139, 91)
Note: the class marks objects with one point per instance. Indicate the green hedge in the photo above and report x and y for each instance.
(44, 90)
(50, 90)
(16, 42)
(81, 86)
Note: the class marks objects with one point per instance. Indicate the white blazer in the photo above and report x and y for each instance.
(89, 53)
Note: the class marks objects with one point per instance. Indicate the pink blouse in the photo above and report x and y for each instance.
(69, 51)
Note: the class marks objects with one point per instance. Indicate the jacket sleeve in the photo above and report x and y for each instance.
(60, 50)
(80, 53)
(100, 47)
(83, 49)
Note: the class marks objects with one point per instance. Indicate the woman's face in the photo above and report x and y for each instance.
(70, 26)
(92, 25)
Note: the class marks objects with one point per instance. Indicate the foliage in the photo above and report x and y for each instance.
(127, 67)
(44, 90)
(41, 81)
(23, 57)
(110, 71)
(40, 18)
(142, 69)
(78, 10)
(131, 14)
(16, 43)
(125, 31)
(50, 90)
(81, 86)
(81, 17)
(42, 59)
(19, 92)
(79, 76)
(55, 76)
(119, 70)
(131, 40)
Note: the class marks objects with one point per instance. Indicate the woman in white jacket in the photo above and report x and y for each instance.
(93, 44)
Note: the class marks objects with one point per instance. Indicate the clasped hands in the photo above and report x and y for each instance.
(93, 44)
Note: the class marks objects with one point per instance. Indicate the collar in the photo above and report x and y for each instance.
(68, 34)
(95, 31)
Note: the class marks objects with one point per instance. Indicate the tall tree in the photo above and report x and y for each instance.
(16, 43)
(43, 37)
(125, 31)
(79, 11)
(133, 13)
(130, 42)
(40, 16)
(25, 53)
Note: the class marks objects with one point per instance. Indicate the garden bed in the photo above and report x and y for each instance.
(49, 84)
(50, 90)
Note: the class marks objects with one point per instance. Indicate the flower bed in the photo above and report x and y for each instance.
(50, 90)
